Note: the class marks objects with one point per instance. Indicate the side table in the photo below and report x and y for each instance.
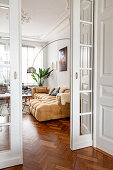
(27, 96)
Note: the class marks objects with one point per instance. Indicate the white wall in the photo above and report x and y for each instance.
(58, 79)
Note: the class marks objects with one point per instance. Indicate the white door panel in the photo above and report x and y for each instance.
(82, 64)
(105, 77)
(11, 99)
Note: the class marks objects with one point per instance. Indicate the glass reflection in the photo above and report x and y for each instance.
(4, 138)
(86, 10)
(85, 31)
(85, 57)
(4, 79)
(85, 102)
(85, 124)
(4, 67)
(4, 82)
(85, 80)
(6, 2)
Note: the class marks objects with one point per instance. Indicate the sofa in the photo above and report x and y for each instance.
(45, 107)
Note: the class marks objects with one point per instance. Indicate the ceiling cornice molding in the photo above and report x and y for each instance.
(64, 18)
(63, 29)
(38, 38)
(61, 21)
(68, 4)
(24, 38)
(61, 26)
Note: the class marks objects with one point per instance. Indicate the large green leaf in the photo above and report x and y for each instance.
(34, 77)
(43, 74)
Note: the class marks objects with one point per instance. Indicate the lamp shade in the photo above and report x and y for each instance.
(31, 70)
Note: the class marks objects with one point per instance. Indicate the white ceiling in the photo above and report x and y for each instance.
(47, 16)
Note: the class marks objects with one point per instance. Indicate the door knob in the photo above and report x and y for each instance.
(15, 75)
(76, 75)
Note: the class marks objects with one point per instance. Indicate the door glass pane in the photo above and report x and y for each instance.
(4, 2)
(86, 10)
(85, 124)
(5, 119)
(5, 108)
(4, 68)
(86, 60)
(4, 138)
(85, 102)
(85, 31)
(85, 57)
(4, 22)
(85, 80)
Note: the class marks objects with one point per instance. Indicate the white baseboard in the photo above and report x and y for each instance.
(11, 162)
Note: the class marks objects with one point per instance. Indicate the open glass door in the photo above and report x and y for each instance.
(10, 84)
(81, 122)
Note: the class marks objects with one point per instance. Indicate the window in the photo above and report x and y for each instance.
(28, 55)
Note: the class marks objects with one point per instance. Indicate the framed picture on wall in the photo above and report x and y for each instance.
(63, 59)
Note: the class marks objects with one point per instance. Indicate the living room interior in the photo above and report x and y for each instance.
(55, 69)
(37, 32)
(45, 65)
(47, 44)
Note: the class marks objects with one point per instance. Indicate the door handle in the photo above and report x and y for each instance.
(76, 75)
(15, 75)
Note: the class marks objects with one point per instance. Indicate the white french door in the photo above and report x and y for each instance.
(104, 128)
(10, 84)
(82, 70)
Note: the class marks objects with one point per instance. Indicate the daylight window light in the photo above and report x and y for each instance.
(4, 38)
(4, 7)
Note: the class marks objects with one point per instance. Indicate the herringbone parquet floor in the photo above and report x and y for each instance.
(46, 147)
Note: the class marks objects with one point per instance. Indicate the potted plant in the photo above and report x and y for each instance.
(42, 75)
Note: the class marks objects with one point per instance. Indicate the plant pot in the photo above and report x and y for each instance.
(40, 82)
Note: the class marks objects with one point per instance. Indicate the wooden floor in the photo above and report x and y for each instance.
(46, 147)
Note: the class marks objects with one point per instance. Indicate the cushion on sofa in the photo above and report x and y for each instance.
(55, 92)
(50, 93)
(67, 91)
(63, 89)
(41, 90)
(64, 98)
(44, 96)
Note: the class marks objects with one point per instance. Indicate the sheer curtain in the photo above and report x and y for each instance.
(28, 55)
